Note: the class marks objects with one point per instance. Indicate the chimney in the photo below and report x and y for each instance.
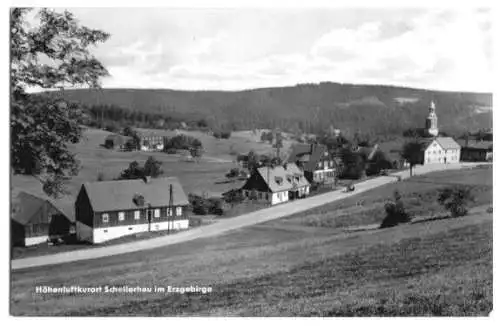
(285, 166)
(146, 178)
(312, 147)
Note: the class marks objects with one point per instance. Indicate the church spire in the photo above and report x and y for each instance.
(431, 122)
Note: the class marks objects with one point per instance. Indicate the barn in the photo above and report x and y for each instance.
(112, 209)
(36, 220)
(117, 142)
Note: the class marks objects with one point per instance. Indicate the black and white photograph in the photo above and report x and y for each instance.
(215, 160)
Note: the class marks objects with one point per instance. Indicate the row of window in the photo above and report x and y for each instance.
(256, 194)
(137, 214)
(325, 164)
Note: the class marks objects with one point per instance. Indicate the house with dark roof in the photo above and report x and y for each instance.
(440, 150)
(275, 185)
(476, 151)
(112, 209)
(318, 164)
(36, 220)
(118, 142)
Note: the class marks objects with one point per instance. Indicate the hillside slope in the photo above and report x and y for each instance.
(378, 109)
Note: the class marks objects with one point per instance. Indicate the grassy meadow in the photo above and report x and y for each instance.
(205, 176)
(419, 195)
(288, 268)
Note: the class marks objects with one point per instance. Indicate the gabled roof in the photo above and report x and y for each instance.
(26, 207)
(368, 151)
(310, 154)
(447, 143)
(119, 194)
(488, 145)
(118, 139)
(272, 175)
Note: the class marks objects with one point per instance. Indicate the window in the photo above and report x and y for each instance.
(267, 196)
(320, 164)
(137, 215)
(105, 218)
(157, 212)
(178, 211)
(121, 216)
(169, 211)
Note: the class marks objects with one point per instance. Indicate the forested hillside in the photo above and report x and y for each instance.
(306, 107)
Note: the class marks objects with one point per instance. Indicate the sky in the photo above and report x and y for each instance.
(242, 48)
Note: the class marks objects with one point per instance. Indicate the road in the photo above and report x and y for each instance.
(223, 226)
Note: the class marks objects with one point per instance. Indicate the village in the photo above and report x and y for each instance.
(105, 210)
(262, 161)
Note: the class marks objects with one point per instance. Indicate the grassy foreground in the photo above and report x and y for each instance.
(286, 268)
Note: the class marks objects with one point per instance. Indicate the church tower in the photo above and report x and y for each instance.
(431, 122)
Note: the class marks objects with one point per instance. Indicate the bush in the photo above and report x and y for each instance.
(100, 176)
(455, 200)
(395, 212)
(203, 206)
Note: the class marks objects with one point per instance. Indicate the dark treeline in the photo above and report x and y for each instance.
(308, 108)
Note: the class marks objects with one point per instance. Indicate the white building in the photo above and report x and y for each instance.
(111, 209)
(441, 150)
(276, 185)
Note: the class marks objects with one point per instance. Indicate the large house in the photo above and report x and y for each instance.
(318, 164)
(36, 220)
(277, 184)
(441, 150)
(152, 142)
(112, 209)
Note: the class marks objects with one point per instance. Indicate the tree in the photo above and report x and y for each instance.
(378, 162)
(136, 139)
(134, 171)
(152, 167)
(253, 162)
(412, 152)
(354, 164)
(41, 126)
(395, 212)
(196, 152)
(456, 200)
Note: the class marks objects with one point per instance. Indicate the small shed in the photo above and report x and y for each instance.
(36, 220)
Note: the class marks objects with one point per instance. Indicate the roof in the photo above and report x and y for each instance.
(309, 153)
(447, 143)
(487, 145)
(368, 151)
(119, 194)
(118, 139)
(271, 176)
(26, 206)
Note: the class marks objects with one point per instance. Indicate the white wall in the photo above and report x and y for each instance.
(277, 198)
(104, 234)
(435, 154)
(35, 240)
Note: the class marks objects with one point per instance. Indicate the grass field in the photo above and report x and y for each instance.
(419, 196)
(201, 177)
(441, 267)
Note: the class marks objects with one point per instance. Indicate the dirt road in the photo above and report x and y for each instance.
(257, 217)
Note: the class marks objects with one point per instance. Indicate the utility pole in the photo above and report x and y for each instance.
(171, 207)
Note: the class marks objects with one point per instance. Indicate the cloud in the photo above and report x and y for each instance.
(225, 49)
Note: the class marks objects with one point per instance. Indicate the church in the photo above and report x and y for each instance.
(436, 149)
